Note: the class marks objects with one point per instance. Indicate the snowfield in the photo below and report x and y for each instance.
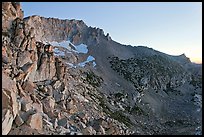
(81, 48)
(89, 59)
(71, 48)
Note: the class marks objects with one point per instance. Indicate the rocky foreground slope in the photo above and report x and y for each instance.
(63, 77)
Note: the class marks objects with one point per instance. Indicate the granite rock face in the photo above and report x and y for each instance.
(38, 93)
(74, 30)
(61, 77)
(10, 11)
(64, 29)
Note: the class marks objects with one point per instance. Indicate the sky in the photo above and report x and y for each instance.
(170, 27)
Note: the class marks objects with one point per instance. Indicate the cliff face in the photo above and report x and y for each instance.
(63, 29)
(40, 95)
(22, 63)
(74, 30)
(63, 77)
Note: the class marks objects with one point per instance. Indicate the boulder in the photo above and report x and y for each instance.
(9, 94)
(35, 121)
(105, 124)
(58, 96)
(81, 125)
(7, 121)
(71, 106)
(37, 106)
(45, 68)
(48, 104)
(25, 105)
(29, 87)
(57, 84)
(88, 131)
(32, 73)
(23, 58)
(18, 120)
(49, 90)
(62, 122)
(73, 109)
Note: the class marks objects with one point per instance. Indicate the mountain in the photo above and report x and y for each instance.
(63, 77)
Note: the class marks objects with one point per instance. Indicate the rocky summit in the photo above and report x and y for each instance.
(61, 77)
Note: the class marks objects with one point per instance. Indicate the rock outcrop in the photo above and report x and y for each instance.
(154, 72)
(74, 30)
(40, 94)
(91, 85)
(64, 29)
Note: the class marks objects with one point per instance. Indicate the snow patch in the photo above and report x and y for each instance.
(64, 44)
(89, 59)
(82, 48)
(94, 64)
(117, 84)
(58, 52)
(71, 65)
(82, 64)
(68, 47)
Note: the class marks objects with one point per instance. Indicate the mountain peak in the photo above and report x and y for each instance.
(183, 55)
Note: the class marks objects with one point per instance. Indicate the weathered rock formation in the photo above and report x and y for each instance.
(40, 95)
(74, 30)
(154, 71)
(118, 90)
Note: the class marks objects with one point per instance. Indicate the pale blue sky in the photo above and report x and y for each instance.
(170, 27)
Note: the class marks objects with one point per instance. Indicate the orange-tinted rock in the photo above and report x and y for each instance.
(10, 87)
(7, 120)
(20, 90)
(48, 104)
(5, 58)
(9, 103)
(38, 107)
(31, 44)
(25, 106)
(18, 120)
(6, 5)
(10, 11)
(27, 67)
(23, 58)
(50, 49)
(4, 51)
(35, 121)
(46, 68)
(23, 130)
(31, 33)
(34, 56)
(20, 76)
(29, 87)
